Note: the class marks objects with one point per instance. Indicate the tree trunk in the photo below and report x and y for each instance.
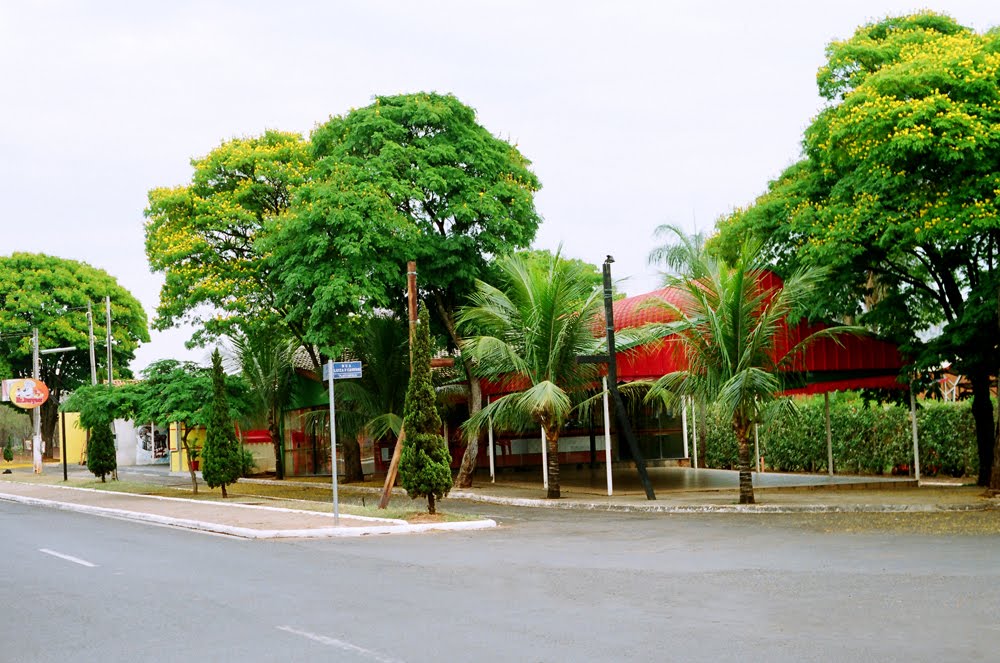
(49, 419)
(352, 460)
(224, 495)
(468, 467)
(552, 435)
(982, 414)
(279, 460)
(430, 504)
(995, 474)
(742, 430)
(187, 448)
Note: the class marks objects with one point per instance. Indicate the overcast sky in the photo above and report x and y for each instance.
(634, 114)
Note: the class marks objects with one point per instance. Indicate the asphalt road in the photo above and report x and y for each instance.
(545, 586)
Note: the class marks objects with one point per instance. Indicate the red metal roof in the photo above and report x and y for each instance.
(874, 363)
(850, 362)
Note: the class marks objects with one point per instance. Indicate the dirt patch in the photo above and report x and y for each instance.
(418, 518)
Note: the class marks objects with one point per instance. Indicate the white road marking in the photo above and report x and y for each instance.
(340, 644)
(68, 558)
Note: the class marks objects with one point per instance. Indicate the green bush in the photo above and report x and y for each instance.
(222, 458)
(425, 463)
(248, 464)
(866, 440)
(101, 458)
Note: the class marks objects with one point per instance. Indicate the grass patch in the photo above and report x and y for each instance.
(299, 497)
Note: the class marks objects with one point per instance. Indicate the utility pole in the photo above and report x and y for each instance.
(93, 360)
(623, 422)
(36, 415)
(611, 359)
(107, 308)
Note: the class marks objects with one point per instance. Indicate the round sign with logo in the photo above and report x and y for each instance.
(27, 393)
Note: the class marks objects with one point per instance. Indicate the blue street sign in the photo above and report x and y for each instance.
(342, 369)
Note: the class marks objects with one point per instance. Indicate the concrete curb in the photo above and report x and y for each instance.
(619, 507)
(389, 526)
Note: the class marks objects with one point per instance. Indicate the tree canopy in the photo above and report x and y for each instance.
(50, 293)
(898, 195)
(409, 177)
(174, 391)
(202, 235)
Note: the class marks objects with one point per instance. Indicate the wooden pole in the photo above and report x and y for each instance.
(411, 294)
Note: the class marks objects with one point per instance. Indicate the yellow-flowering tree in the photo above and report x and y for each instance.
(203, 235)
(898, 196)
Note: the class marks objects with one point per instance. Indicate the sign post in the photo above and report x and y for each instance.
(337, 370)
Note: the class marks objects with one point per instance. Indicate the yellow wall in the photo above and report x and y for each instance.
(178, 456)
(76, 438)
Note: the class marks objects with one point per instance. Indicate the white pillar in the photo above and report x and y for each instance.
(756, 446)
(829, 435)
(694, 433)
(607, 437)
(684, 424)
(916, 442)
(545, 461)
(492, 451)
(36, 419)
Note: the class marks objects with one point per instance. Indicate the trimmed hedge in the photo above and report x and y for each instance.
(866, 440)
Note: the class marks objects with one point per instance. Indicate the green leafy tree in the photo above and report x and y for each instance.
(222, 456)
(100, 404)
(52, 294)
(8, 451)
(409, 177)
(15, 424)
(898, 196)
(531, 328)
(202, 236)
(266, 357)
(425, 464)
(729, 325)
(101, 459)
(173, 391)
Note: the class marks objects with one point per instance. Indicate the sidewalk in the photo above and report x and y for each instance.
(241, 520)
(678, 490)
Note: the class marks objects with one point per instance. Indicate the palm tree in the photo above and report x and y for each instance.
(680, 253)
(528, 331)
(683, 254)
(266, 359)
(731, 324)
(372, 406)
